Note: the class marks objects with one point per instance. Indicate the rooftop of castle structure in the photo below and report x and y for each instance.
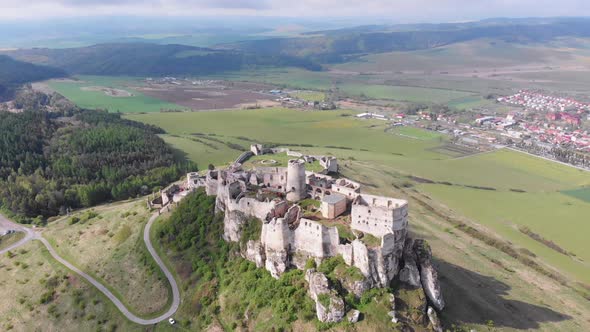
(347, 183)
(380, 201)
(333, 199)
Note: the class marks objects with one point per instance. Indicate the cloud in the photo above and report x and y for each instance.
(397, 10)
(228, 4)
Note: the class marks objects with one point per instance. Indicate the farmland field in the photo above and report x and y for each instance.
(416, 133)
(520, 190)
(403, 93)
(291, 77)
(79, 93)
(309, 95)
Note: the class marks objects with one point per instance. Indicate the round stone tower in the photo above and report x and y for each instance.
(296, 188)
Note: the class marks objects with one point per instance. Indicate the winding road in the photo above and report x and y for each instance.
(32, 234)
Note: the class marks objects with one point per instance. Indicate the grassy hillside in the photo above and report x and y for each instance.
(107, 243)
(40, 294)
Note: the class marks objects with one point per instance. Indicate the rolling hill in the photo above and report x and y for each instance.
(144, 59)
(341, 45)
(14, 73)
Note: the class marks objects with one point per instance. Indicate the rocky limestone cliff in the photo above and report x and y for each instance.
(380, 265)
(398, 256)
(330, 307)
(233, 222)
(255, 253)
(410, 274)
(428, 274)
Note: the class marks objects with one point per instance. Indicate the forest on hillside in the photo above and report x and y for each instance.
(14, 73)
(70, 158)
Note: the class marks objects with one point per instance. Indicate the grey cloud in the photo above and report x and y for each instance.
(396, 10)
(229, 4)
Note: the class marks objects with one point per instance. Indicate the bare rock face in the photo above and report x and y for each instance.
(434, 321)
(389, 256)
(255, 253)
(380, 265)
(232, 225)
(356, 287)
(329, 306)
(277, 262)
(354, 316)
(428, 274)
(410, 274)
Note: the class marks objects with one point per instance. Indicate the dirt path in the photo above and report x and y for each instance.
(33, 235)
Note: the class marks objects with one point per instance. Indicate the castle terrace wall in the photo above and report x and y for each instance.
(315, 239)
(252, 207)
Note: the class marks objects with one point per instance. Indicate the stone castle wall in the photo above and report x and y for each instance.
(379, 215)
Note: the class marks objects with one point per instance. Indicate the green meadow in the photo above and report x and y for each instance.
(403, 93)
(582, 194)
(500, 190)
(138, 102)
(291, 77)
(309, 95)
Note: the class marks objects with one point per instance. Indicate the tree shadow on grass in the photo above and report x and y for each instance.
(473, 298)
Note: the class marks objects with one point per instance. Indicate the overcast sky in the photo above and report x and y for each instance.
(398, 10)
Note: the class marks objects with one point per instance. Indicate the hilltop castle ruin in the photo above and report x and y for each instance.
(292, 233)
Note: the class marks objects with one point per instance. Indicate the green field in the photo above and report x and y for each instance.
(98, 99)
(412, 132)
(206, 151)
(471, 102)
(319, 129)
(583, 193)
(309, 95)
(289, 77)
(403, 93)
(541, 207)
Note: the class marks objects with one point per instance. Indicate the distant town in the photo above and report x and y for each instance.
(552, 127)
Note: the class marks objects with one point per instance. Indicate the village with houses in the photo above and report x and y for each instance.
(552, 127)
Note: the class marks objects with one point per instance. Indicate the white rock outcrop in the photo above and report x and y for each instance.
(434, 321)
(428, 274)
(329, 306)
